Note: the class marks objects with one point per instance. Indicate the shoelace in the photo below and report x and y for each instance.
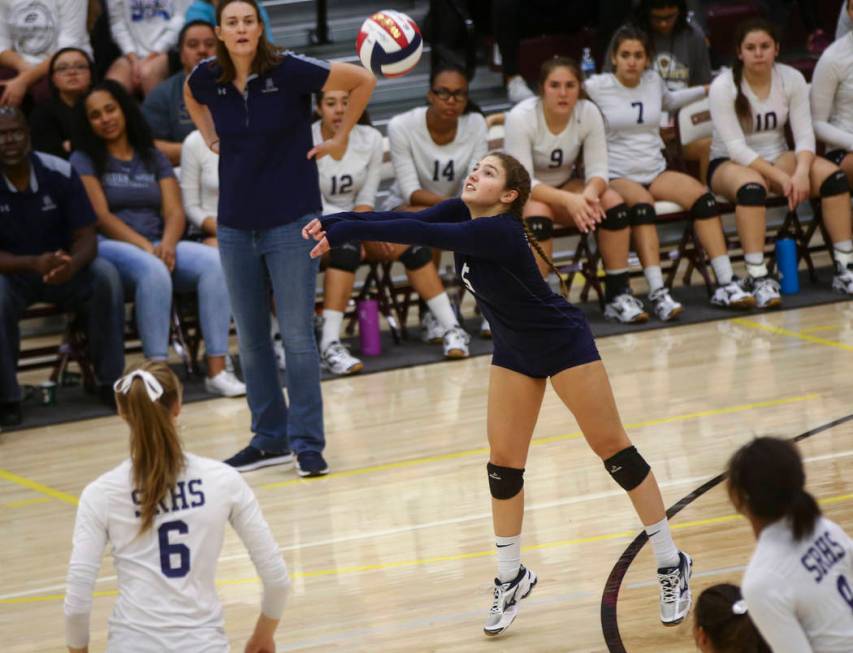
(669, 589)
(498, 600)
(337, 349)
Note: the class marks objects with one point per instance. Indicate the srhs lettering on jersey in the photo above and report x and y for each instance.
(822, 555)
(185, 495)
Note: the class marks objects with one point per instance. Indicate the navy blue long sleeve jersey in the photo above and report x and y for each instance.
(536, 332)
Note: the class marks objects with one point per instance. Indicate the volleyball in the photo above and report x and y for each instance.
(389, 43)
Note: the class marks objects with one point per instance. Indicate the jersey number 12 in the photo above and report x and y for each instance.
(170, 552)
(345, 185)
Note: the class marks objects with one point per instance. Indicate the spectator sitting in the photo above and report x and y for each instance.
(138, 204)
(200, 186)
(205, 10)
(47, 254)
(30, 32)
(70, 75)
(164, 107)
(144, 34)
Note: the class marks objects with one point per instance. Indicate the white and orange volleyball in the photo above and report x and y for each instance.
(389, 43)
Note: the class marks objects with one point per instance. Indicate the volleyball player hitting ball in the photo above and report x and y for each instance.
(538, 336)
(164, 511)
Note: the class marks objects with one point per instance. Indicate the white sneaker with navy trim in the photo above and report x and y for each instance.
(505, 598)
(675, 599)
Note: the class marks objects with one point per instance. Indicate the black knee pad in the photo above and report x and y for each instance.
(617, 218)
(643, 214)
(628, 468)
(416, 257)
(504, 482)
(835, 184)
(542, 228)
(345, 258)
(705, 207)
(751, 194)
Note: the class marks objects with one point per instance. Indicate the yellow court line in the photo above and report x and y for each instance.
(38, 487)
(481, 451)
(780, 331)
(420, 562)
(820, 327)
(23, 503)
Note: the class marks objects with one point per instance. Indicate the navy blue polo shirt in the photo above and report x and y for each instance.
(265, 181)
(43, 217)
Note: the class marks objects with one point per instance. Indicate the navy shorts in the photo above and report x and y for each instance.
(836, 156)
(713, 165)
(577, 348)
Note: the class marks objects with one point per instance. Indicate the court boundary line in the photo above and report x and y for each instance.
(610, 595)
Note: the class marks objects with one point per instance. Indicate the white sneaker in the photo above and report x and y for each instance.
(431, 330)
(456, 343)
(843, 282)
(765, 290)
(732, 295)
(337, 359)
(505, 598)
(225, 384)
(666, 308)
(485, 329)
(627, 309)
(675, 596)
(517, 89)
(278, 349)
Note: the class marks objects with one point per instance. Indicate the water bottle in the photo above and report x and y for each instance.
(587, 64)
(368, 327)
(786, 261)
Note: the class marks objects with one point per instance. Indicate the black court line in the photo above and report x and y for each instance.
(609, 623)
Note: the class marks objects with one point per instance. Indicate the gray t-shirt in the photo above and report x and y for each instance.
(165, 111)
(131, 189)
(681, 58)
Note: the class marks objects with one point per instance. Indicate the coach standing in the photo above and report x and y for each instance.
(252, 105)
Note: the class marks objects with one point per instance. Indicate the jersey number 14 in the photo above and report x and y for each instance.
(447, 172)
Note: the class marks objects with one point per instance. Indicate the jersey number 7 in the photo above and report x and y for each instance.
(169, 551)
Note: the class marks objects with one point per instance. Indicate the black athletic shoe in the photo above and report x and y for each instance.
(10, 413)
(311, 463)
(250, 459)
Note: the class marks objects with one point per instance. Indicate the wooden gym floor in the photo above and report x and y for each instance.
(393, 551)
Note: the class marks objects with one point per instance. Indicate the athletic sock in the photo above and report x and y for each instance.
(509, 557)
(666, 553)
(842, 253)
(755, 264)
(654, 276)
(615, 283)
(722, 265)
(443, 311)
(332, 321)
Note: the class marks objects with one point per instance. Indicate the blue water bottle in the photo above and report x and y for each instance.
(786, 260)
(587, 64)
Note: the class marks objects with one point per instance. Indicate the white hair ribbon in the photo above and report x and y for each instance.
(152, 385)
(739, 607)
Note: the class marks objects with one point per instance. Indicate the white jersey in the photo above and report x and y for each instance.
(800, 594)
(550, 158)
(144, 26)
(35, 29)
(354, 180)
(167, 598)
(421, 164)
(788, 100)
(199, 179)
(832, 94)
(632, 120)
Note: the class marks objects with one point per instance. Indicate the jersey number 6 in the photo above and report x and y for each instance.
(169, 551)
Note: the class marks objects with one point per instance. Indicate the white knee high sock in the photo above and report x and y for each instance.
(443, 311)
(666, 553)
(509, 557)
(332, 321)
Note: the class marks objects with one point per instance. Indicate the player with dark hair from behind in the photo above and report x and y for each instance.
(538, 336)
(798, 584)
(722, 624)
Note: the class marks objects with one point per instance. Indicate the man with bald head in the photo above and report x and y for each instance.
(48, 249)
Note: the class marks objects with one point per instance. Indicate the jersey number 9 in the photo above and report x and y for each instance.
(169, 551)
(556, 158)
(845, 590)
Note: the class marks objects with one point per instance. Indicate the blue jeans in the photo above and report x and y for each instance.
(95, 290)
(197, 269)
(251, 259)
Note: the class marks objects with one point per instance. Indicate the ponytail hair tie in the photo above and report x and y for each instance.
(739, 607)
(152, 385)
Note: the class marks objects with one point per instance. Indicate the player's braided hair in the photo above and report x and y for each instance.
(518, 179)
(156, 455)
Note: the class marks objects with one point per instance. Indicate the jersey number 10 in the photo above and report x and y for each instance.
(169, 551)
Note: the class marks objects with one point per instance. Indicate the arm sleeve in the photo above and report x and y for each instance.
(772, 611)
(202, 83)
(118, 26)
(306, 74)
(800, 114)
(155, 108)
(403, 160)
(81, 162)
(367, 195)
(477, 238)
(725, 120)
(700, 60)
(844, 25)
(164, 168)
(90, 538)
(191, 178)
(673, 100)
(595, 146)
(72, 26)
(169, 38)
(518, 141)
(824, 86)
(249, 522)
(78, 209)
(453, 210)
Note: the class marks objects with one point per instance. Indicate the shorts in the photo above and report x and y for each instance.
(713, 165)
(836, 156)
